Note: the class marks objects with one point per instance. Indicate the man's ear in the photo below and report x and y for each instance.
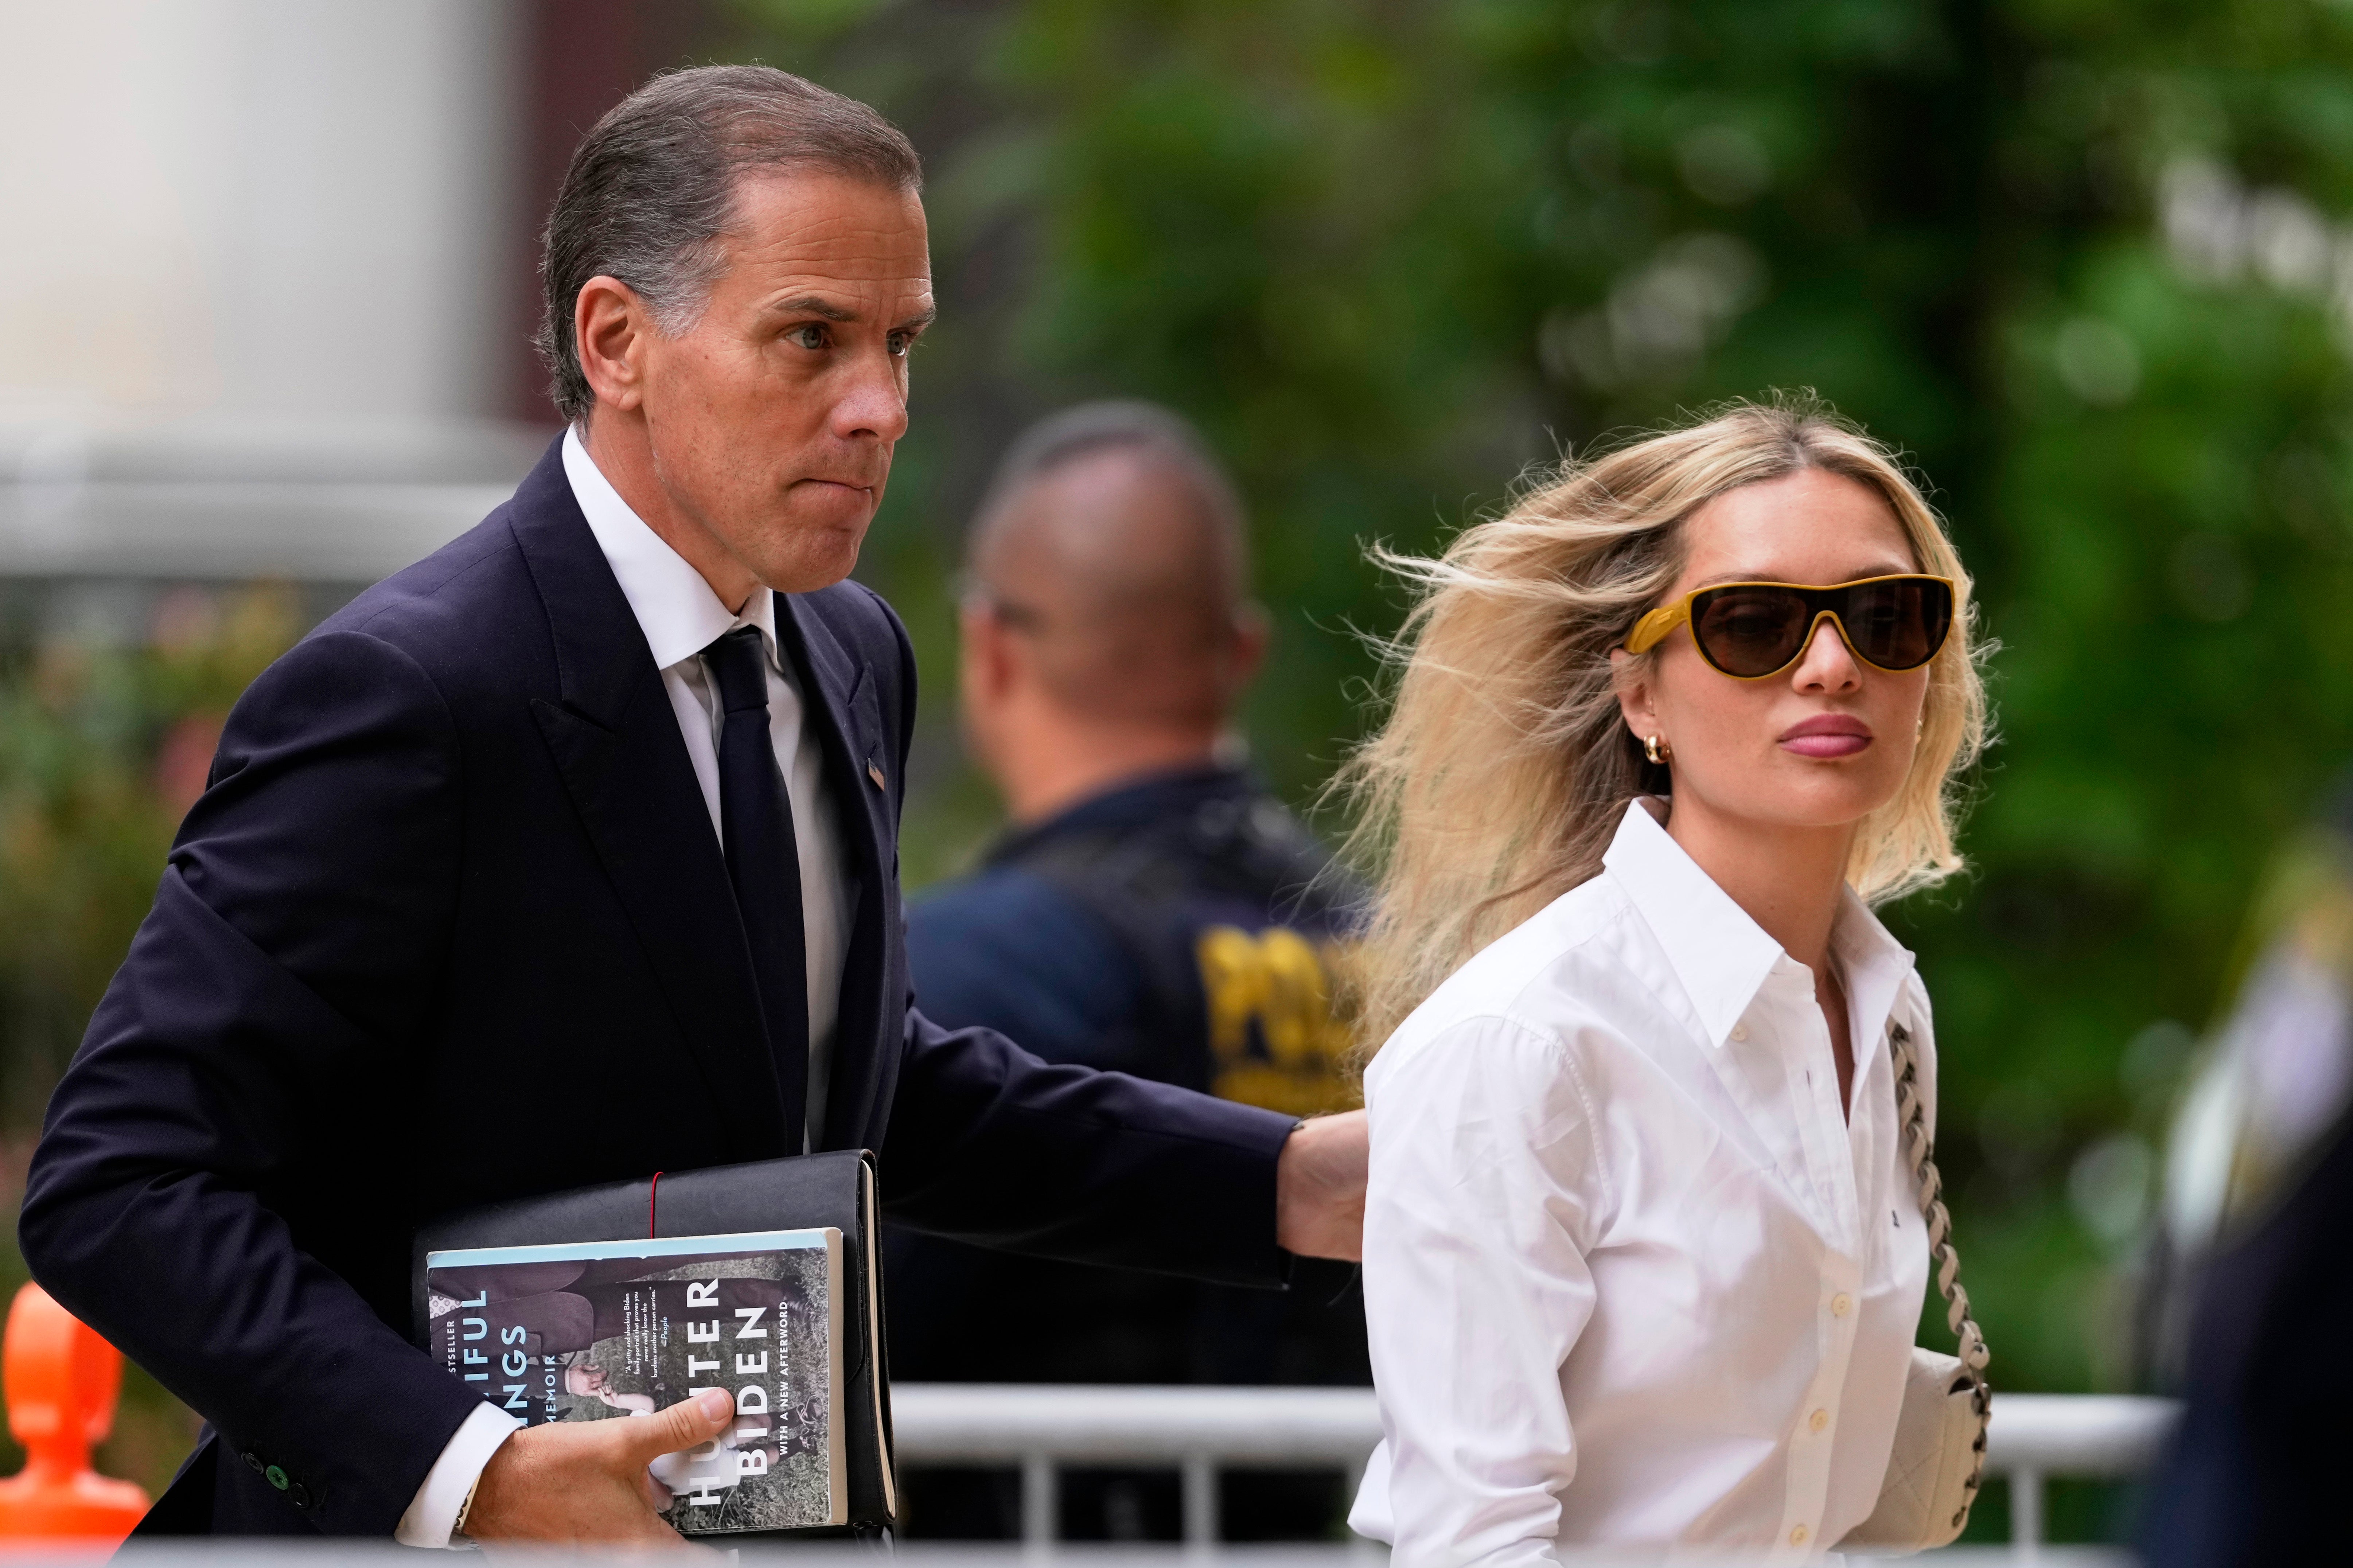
(610, 327)
(986, 655)
(1246, 652)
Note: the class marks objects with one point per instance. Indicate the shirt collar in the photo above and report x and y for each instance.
(676, 609)
(1872, 964)
(1720, 956)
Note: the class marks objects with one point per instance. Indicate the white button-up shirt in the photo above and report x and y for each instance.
(1631, 1275)
(680, 616)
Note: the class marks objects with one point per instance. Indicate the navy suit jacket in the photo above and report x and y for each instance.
(451, 924)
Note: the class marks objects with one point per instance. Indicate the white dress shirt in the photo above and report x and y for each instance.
(680, 616)
(1631, 1278)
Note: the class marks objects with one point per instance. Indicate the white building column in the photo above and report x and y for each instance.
(254, 243)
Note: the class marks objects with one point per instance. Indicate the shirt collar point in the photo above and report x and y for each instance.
(1720, 956)
(674, 607)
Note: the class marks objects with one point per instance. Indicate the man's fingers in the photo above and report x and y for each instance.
(680, 1427)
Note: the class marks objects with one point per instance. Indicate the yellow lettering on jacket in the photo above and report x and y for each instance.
(1274, 1039)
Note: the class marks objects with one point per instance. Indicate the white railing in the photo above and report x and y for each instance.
(2094, 1436)
(1199, 1431)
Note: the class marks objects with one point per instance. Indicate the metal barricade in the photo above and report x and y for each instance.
(1198, 1431)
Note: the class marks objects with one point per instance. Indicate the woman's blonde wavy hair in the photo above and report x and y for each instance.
(1505, 766)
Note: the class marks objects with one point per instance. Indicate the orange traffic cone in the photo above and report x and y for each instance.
(62, 1381)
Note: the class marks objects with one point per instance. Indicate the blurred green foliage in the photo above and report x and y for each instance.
(2073, 255)
(108, 723)
(105, 738)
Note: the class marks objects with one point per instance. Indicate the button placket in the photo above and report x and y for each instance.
(1808, 1490)
(1812, 1432)
(1807, 1060)
(1759, 1064)
(1810, 1085)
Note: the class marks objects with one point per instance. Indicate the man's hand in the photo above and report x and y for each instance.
(1319, 1188)
(584, 1483)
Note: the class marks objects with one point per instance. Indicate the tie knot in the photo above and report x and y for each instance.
(740, 665)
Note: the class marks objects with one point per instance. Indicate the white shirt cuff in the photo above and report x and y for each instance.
(432, 1517)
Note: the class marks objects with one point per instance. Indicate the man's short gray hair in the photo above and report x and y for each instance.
(652, 191)
(1113, 424)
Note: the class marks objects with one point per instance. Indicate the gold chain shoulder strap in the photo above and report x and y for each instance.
(1920, 1154)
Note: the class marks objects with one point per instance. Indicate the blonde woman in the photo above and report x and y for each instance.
(1642, 1265)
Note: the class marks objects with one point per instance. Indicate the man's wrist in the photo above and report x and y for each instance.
(435, 1517)
(1319, 1187)
(1282, 1152)
(465, 1509)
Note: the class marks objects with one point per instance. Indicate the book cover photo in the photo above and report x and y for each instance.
(611, 1330)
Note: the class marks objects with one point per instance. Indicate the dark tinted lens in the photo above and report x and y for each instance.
(1899, 624)
(1749, 630)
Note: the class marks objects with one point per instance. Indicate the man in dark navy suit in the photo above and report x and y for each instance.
(606, 792)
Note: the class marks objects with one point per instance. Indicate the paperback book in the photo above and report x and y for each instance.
(613, 1330)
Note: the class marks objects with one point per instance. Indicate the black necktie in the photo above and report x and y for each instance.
(764, 861)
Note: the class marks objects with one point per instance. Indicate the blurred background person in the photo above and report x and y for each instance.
(2252, 1473)
(2250, 1267)
(1152, 908)
(2263, 1098)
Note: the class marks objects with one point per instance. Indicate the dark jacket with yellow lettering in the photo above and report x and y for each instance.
(1178, 927)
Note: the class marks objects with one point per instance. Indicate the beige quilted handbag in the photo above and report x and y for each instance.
(1940, 1438)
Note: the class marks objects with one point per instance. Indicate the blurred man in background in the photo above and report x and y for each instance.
(1153, 910)
(2252, 1262)
(2271, 1084)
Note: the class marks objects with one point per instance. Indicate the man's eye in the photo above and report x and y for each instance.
(810, 336)
(899, 343)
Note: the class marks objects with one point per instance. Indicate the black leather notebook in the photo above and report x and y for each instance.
(522, 1291)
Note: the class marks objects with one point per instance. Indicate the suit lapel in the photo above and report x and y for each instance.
(615, 739)
(844, 715)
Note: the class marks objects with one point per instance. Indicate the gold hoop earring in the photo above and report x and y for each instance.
(1656, 748)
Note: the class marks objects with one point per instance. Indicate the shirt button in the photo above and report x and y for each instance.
(1819, 1419)
(1842, 1304)
(1798, 1536)
(1739, 1031)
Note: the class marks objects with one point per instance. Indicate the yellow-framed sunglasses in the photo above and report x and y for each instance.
(1752, 630)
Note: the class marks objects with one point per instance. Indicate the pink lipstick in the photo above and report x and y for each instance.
(1827, 736)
